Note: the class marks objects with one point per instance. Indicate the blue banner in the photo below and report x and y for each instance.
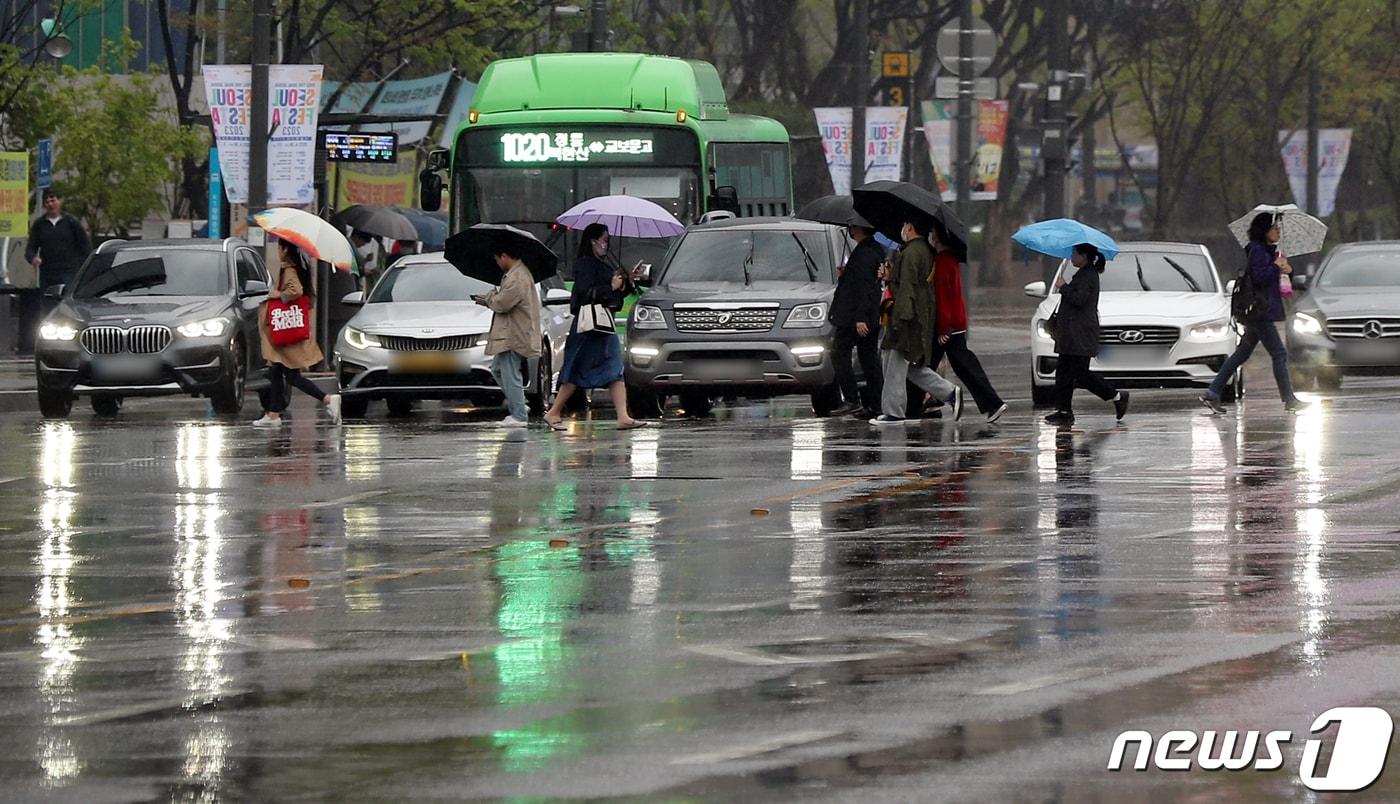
(215, 230)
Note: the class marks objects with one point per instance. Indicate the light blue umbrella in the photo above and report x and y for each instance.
(1059, 237)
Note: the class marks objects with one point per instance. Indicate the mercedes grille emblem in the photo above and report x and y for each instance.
(1372, 329)
(1131, 336)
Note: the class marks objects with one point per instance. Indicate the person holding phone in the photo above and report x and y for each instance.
(514, 336)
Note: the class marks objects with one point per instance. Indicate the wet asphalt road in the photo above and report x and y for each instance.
(760, 605)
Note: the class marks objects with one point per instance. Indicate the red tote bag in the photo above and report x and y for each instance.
(289, 322)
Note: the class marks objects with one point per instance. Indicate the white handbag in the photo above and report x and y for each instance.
(596, 318)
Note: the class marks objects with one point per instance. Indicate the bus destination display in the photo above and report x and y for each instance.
(361, 147)
(538, 147)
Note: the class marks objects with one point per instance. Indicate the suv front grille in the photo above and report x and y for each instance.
(1388, 327)
(451, 343)
(759, 319)
(1147, 335)
(146, 340)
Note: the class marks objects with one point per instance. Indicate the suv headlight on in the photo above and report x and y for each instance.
(211, 328)
(1209, 331)
(58, 331)
(645, 316)
(360, 340)
(1305, 324)
(806, 316)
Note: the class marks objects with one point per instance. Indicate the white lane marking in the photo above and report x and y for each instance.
(759, 748)
(1041, 682)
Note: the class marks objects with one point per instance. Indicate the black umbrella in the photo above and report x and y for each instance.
(377, 220)
(473, 251)
(890, 204)
(432, 230)
(835, 209)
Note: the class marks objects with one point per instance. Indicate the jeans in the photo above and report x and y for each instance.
(893, 399)
(868, 351)
(1256, 332)
(280, 382)
(969, 369)
(1073, 370)
(505, 367)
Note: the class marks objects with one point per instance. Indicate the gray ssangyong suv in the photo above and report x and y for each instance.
(738, 308)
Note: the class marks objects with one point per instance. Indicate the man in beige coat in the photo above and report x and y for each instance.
(515, 333)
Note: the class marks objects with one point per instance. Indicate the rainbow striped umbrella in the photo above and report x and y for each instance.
(309, 233)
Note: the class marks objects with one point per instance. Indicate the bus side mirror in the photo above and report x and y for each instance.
(724, 198)
(429, 191)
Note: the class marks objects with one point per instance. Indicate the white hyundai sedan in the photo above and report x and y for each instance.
(1164, 321)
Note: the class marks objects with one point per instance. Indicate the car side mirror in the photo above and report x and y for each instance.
(253, 287)
(1300, 281)
(1037, 290)
(54, 291)
(1230, 288)
(555, 297)
(354, 298)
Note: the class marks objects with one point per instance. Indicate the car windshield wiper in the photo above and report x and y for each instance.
(811, 263)
(1141, 281)
(1190, 280)
(748, 261)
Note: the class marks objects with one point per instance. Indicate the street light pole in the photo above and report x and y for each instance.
(258, 128)
(859, 89)
(1054, 146)
(962, 173)
(1313, 146)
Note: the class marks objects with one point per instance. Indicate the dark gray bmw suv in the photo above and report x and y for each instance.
(154, 318)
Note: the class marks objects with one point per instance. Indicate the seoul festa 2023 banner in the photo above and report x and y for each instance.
(294, 96)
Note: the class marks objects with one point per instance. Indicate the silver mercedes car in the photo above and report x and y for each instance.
(420, 336)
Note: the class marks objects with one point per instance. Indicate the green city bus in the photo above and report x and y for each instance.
(546, 132)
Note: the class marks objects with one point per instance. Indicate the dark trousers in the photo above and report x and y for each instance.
(281, 380)
(1255, 333)
(1072, 371)
(868, 351)
(969, 369)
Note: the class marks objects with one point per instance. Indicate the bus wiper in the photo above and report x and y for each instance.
(1141, 281)
(1190, 280)
(811, 263)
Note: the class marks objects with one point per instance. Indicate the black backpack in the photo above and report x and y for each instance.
(1246, 302)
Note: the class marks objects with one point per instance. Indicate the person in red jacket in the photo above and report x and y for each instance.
(950, 327)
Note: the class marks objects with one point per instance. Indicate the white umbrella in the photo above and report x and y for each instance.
(1299, 232)
(311, 234)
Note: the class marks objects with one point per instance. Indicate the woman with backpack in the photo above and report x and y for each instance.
(1264, 266)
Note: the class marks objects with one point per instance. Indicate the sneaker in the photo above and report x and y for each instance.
(956, 402)
(511, 421)
(1060, 417)
(882, 419)
(268, 421)
(1294, 405)
(333, 408)
(1213, 404)
(996, 414)
(1120, 405)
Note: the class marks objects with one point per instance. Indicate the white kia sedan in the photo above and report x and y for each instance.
(1164, 321)
(419, 336)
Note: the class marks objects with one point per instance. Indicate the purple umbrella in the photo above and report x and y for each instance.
(625, 216)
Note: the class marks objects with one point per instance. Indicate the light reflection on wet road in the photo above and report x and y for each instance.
(436, 608)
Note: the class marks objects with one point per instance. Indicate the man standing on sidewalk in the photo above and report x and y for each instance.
(855, 317)
(515, 333)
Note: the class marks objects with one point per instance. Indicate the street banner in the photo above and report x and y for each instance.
(411, 97)
(884, 143)
(14, 194)
(461, 105)
(294, 97)
(1335, 145)
(371, 183)
(989, 140)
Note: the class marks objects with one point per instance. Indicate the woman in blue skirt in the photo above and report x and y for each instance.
(593, 359)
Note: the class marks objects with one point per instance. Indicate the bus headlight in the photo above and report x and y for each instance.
(645, 316)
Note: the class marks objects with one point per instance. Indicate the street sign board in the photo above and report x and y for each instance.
(984, 46)
(361, 147)
(895, 64)
(894, 91)
(946, 87)
(44, 167)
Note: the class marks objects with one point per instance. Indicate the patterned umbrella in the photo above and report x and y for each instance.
(309, 233)
(625, 216)
(1299, 232)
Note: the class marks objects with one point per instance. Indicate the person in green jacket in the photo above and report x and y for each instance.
(909, 337)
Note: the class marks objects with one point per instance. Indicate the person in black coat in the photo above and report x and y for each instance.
(57, 245)
(855, 319)
(593, 359)
(1076, 334)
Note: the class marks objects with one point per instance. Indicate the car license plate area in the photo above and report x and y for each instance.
(425, 363)
(1369, 353)
(126, 368)
(724, 370)
(1132, 356)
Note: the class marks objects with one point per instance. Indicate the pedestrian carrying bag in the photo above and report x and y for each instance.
(1246, 302)
(596, 318)
(289, 322)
